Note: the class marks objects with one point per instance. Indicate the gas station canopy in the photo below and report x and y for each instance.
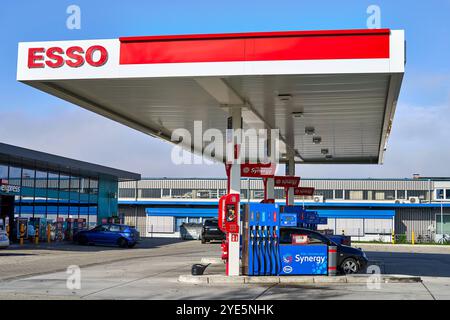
(332, 94)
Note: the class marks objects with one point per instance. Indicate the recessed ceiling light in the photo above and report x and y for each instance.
(285, 97)
(317, 140)
(297, 114)
(324, 151)
(329, 157)
(310, 131)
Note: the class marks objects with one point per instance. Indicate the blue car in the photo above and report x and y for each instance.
(109, 234)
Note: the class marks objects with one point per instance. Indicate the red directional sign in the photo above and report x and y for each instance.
(304, 191)
(256, 170)
(287, 182)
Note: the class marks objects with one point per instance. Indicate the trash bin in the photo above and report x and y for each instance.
(198, 269)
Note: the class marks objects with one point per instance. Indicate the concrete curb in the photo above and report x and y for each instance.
(221, 279)
(212, 261)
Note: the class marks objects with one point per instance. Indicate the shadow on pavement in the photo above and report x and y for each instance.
(414, 264)
(146, 243)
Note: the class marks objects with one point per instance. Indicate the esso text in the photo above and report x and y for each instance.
(73, 57)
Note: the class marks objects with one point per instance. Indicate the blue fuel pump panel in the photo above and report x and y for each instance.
(264, 233)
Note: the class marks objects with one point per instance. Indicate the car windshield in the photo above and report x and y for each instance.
(211, 223)
(101, 228)
(313, 237)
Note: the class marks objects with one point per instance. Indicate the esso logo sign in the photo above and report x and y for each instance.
(73, 57)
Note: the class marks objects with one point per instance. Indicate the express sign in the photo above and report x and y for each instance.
(74, 57)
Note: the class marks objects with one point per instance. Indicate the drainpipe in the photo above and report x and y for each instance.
(429, 189)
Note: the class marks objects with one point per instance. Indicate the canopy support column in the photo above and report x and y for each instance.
(290, 171)
(235, 188)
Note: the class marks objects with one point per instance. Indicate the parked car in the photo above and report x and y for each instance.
(4, 240)
(349, 260)
(109, 234)
(211, 231)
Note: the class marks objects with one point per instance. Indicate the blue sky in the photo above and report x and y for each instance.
(35, 120)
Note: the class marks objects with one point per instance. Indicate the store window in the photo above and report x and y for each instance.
(41, 186)
(74, 189)
(64, 188)
(3, 172)
(53, 186)
(28, 184)
(15, 175)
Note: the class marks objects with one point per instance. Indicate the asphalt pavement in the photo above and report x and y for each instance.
(151, 271)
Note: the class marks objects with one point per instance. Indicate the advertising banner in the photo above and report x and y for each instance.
(304, 259)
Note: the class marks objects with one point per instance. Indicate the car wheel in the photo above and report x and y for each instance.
(82, 240)
(123, 243)
(131, 245)
(203, 240)
(350, 266)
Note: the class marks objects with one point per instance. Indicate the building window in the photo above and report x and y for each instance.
(384, 195)
(439, 194)
(182, 193)
(442, 227)
(179, 222)
(421, 194)
(127, 193)
(258, 194)
(280, 193)
(355, 194)
(244, 193)
(166, 193)
(151, 193)
(447, 194)
(207, 194)
(401, 194)
(327, 194)
(339, 194)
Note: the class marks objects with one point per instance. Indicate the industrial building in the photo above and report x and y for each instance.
(366, 209)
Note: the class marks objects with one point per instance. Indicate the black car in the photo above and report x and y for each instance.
(349, 260)
(211, 231)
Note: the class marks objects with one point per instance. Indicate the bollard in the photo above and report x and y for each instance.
(332, 261)
(393, 237)
(22, 233)
(36, 236)
(412, 237)
(49, 233)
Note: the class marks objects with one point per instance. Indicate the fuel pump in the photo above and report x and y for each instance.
(260, 238)
(228, 222)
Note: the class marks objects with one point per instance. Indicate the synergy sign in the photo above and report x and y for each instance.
(304, 260)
